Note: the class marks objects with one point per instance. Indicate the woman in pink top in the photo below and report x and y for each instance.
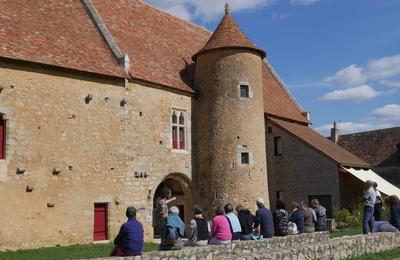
(220, 229)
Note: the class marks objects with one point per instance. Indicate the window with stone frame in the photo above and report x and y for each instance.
(2, 138)
(244, 91)
(178, 130)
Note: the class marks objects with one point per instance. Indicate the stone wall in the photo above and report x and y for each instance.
(299, 247)
(300, 171)
(74, 152)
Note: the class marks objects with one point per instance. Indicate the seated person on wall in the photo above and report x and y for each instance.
(172, 231)
(198, 231)
(320, 212)
(246, 220)
(234, 223)
(264, 223)
(309, 217)
(393, 203)
(281, 219)
(220, 229)
(297, 217)
(129, 241)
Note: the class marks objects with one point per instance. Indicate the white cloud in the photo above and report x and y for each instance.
(384, 68)
(383, 117)
(390, 83)
(350, 76)
(303, 2)
(360, 93)
(388, 112)
(205, 10)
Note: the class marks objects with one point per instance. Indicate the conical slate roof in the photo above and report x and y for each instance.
(228, 35)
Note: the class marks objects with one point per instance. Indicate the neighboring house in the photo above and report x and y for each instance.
(380, 148)
(104, 103)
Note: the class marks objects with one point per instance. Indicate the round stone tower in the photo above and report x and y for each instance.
(228, 120)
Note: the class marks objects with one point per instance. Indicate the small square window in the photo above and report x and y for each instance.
(245, 158)
(244, 91)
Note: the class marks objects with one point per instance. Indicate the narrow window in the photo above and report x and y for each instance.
(2, 138)
(277, 145)
(244, 91)
(100, 222)
(245, 158)
(178, 130)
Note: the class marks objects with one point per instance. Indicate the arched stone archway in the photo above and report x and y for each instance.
(180, 185)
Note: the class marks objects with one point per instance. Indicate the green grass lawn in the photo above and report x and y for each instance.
(67, 252)
(391, 254)
(346, 232)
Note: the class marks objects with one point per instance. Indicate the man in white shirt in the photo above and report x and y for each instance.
(369, 199)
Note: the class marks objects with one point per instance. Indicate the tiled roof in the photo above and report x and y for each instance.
(227, 35)
(376, 147)
(277, 101)
(160, 46)
(54, 32)
(320, 143)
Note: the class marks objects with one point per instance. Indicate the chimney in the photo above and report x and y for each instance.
(334, 133)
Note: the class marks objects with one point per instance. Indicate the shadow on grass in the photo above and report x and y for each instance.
(67, 252)
(346, 232)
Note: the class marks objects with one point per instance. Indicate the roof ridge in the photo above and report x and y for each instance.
(370, 131)
(177, 17)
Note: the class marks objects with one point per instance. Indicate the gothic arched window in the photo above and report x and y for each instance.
(178, 130)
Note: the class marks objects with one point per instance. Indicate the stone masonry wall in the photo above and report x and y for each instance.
(298, 247)
(96, 146)
(299, 171)
(227, 125)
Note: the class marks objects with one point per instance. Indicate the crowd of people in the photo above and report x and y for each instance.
(373, 207)
(228, 224)
(233, 224)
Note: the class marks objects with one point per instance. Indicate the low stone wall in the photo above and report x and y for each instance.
(305, 246)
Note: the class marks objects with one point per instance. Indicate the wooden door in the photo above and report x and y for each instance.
(100, 222)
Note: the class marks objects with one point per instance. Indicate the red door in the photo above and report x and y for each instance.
(2, 138)
(100, 222)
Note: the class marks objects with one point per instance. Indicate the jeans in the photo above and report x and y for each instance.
(246, 237)
(377, 211)
(320, 228)
(216, 241)
(368, 219)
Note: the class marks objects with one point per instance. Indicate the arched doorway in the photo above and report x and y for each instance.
(180, 187)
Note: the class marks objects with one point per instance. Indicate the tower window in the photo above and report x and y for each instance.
(245, 158)
(178, 130)
(244, 91)
(277, 145)
(2, 138)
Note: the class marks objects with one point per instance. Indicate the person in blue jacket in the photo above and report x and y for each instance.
(130, 239)
(297, 217)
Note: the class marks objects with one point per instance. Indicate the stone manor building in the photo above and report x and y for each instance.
(103, 103)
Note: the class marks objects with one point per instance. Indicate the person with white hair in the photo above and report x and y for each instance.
(173, 230)
(264, 223)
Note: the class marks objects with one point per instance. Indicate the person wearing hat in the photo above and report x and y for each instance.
(198, 230)
(264, 223)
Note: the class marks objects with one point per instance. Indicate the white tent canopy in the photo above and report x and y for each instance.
(383, 185)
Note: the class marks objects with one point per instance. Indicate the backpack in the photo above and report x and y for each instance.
(292, 229)
(171, 235)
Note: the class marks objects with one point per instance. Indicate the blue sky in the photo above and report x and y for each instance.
(339, 58)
